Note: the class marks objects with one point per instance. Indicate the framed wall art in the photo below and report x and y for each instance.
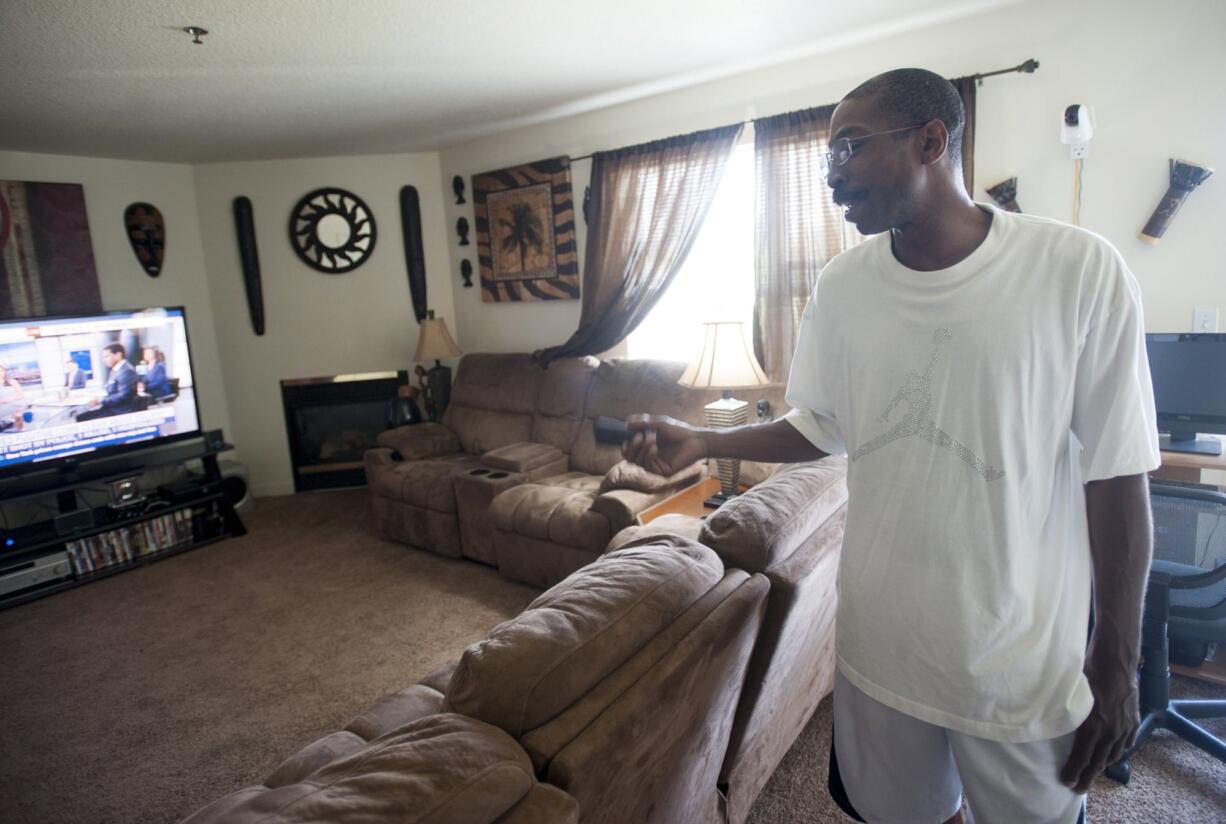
(46, 258)
(526, 232)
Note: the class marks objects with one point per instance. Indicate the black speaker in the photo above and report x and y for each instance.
(244, 227)
(414, 253)
(235, 485)
(214, 440)
(74, 521)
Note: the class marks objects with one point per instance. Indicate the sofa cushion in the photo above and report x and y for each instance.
(493, 401)
(579, 481)
(423, 440)
(761, 528)
(552, 513)
(622, 388)
(559, 407)
(313, 756)
(522, 457)
(628, 475)
(537, 664)
(445, 769)
(425, 483)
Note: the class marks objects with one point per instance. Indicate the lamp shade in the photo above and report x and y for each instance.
(434, 342)
(726, 361)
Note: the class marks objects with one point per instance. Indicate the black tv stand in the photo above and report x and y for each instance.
(85, 543)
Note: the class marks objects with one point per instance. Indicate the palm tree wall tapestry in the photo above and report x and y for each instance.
(526, 232)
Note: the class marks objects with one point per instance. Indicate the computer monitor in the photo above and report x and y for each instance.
(1189, 375)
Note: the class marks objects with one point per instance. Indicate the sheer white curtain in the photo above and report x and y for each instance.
(648, 205)
(798, 228)
(716, 280)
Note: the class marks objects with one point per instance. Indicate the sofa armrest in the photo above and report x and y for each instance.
(622, 506)
(378, 456)
(671, 524)
(629, 475)
(525, 457)
(423, 440)
(761, 528)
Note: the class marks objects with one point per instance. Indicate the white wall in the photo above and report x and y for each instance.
(1151, 72)
(110, 186)
(316, 324)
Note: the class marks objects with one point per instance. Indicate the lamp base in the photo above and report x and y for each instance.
(725, 412)
(439, 380)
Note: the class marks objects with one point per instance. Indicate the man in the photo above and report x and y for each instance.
(74, 375)
(120, 386)
(985, 374)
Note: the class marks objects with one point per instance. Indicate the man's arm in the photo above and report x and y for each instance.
(1121, 546)
(663, 445)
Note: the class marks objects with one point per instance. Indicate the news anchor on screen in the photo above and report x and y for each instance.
(121, 394)
(156, 382)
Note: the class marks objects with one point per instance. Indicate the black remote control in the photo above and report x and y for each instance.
(611, 431)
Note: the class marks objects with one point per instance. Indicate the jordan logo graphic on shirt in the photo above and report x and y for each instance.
(916, 393)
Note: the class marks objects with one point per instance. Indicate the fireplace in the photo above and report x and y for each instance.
(332, 421)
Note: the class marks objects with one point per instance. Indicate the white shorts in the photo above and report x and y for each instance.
(897, 769)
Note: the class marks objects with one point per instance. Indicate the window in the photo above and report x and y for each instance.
(716, 281)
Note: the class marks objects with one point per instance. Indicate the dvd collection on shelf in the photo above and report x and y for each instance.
(127, 543)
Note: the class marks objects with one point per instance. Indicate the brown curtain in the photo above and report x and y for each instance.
(798, 228)
(968, 88)
(647, 204)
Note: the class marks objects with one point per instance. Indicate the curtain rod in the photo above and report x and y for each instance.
(1026, 67)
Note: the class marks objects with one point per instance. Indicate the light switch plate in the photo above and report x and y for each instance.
(1204, 320)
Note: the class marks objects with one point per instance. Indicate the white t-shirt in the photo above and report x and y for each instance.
(974, 403)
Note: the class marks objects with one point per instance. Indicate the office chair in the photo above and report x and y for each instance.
(1185, 614)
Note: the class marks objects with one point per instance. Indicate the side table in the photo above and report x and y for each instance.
(686, 502)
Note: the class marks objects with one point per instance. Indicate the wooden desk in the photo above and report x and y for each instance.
(686, 502)
(1184, 466)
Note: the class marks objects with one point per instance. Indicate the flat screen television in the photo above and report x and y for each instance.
(92, 386)
(1189, 375)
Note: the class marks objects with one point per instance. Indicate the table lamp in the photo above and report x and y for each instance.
(726, 362)
(434, 343)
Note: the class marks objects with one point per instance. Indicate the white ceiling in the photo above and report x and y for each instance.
(301, 78)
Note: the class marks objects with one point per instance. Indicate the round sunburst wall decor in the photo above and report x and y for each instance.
(332, 231)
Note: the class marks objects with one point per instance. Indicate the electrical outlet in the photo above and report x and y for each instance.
(1079, 151)
(1204, 320)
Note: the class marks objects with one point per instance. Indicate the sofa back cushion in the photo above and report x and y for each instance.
(559, 407)
(534, 666)
(621, 388)
(493, 400)
(759, 530)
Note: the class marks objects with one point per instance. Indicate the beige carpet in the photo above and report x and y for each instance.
(142, 697)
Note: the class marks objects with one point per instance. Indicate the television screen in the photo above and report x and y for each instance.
(70, 386)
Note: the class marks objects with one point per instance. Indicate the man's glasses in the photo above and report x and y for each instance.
(842, 149)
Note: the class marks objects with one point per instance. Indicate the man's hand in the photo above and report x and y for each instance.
(1107, 731)
(661, 444)
(1121, 544)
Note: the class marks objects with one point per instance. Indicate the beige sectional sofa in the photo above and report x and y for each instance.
(790, 529)
(555, 502)
(513, 475)
(609, 700)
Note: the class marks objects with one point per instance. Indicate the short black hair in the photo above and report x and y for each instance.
(116, 348)
(909, 96)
